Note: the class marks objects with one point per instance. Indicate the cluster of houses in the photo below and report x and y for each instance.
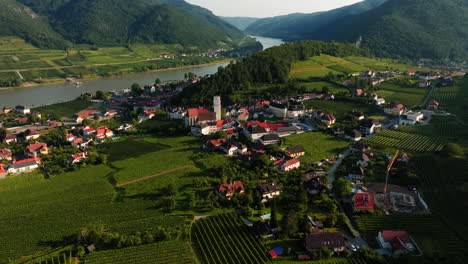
(371, 77)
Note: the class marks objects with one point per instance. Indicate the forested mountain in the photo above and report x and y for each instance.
(118, 22)
(271, 66)
(414, 29)
(295, 26)
(240, 22)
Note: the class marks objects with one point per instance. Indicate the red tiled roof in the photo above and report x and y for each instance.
(435, 103)
(2, 168)
(78, 141)
(364, 201)
(194, 112)
(5, 153)
(38, 160)
(69, 136)
(264, 125)
(274, 127)
(36, 147)
(398, 239)
(232, 188)
(10, 137)
(290, 162)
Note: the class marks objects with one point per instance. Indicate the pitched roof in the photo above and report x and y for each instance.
(26, 162)
(270, 137)
(2, 168)
(295, 149)
(253, 123)
(324, 239)
(206, 116)
(256, 130)
(194, 112)
(37, 146)
(269, 187)
(5, 153)
(397, 239)
(231, 188)
(291, 162)
(10, 137)
(364, 201)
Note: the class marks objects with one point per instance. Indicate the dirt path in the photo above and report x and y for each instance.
(155, 175)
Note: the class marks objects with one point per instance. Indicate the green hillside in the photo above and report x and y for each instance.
(116, 23)
(240, 22)
(295, 26)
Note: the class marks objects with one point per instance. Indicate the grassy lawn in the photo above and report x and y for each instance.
(333, 88)
(342, 107)
(309, 68)
(64, 109)
(317, 145)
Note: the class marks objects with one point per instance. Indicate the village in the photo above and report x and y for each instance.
(255, 135)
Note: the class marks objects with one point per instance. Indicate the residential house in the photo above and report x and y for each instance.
(433, 105)
(363, 201)
(70, 137)
(256, 130)
(146, 115)
(88, 131)
(286, 131)
(394, 109)
(328, 120)
(22, 110)
(347, 83)
(229, 148)
(22, 120)
(287, 165)
(81, 142)
(230, 189)
(411, 118)
(295, 151)
(315, 186)
(361, 147)
(265, 229)
(31, 134)
(86, 114)
(353, 135)
(358, 92)
(398, 242)
(76, 158)
(25, 165)
(6, 154)
(370, 126)
(333, 241)
(364, 159)
(9, 138)
(36, 149)
(269, 139)
(104, 132)
(7, 110)
(358, 115)
(356, 173)
(316, 224)
(410, 73)
(424, 84)
(379, 101)
(268, 191)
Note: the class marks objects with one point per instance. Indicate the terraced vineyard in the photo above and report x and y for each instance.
(165, 252)
(225, 239)
(407, 141)
(431, 234)
(64, 257)
(445, 95)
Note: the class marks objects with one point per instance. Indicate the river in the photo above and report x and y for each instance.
(48, 94)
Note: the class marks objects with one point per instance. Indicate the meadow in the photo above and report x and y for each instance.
(318, 86)
(380, 64)
(318, 146)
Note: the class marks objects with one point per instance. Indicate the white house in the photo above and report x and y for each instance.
(269, 191)
(22, 110)
(379, 101)
(411, 118)
(26, 165)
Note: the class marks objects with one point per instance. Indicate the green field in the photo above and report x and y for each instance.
(318, 86)
(64, 109)
(158, 253)
(309, 68)
(318, 146)
(379, 64)
(407, 141)
(409, 96)
(431, 234)
(86, 61)
(226, 239)
(341, 107)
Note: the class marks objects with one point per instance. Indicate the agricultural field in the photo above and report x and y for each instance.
(86, 61)
(407, 141)
(325, 261)
(318, 86)
(226, 239)
(447, 127)
(379, 64)
(341, 107)
(317, 145)
(339, 64)
(171, 252)
(66, 109)
(309, 68)
(31, 205)
(61, 258)
(431, 234)
(139, 157)
(409, 96)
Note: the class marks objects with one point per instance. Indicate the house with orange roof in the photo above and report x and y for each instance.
(76, 158)
(230, 189)
(36, 149)
(31, 134)
(5, 154)
(3, 171)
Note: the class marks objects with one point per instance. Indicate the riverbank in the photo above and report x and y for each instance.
(86, 78)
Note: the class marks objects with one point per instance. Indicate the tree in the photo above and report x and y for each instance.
(290, 224)
(341, 187)
(309, 227)
(220, 134)
(101, 95)
(3, 133)
(452, 150)
(274, 214)
(136, 89)
(157, 81)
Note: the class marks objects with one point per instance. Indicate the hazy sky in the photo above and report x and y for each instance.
(268, 8)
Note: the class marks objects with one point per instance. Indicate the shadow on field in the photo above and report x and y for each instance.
(130, 148)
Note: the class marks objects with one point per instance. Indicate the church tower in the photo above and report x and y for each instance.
(217, 107)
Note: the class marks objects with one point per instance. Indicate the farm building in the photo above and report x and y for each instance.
(332, 241)
(398, 242)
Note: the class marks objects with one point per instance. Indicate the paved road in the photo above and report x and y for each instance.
(336, 165)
